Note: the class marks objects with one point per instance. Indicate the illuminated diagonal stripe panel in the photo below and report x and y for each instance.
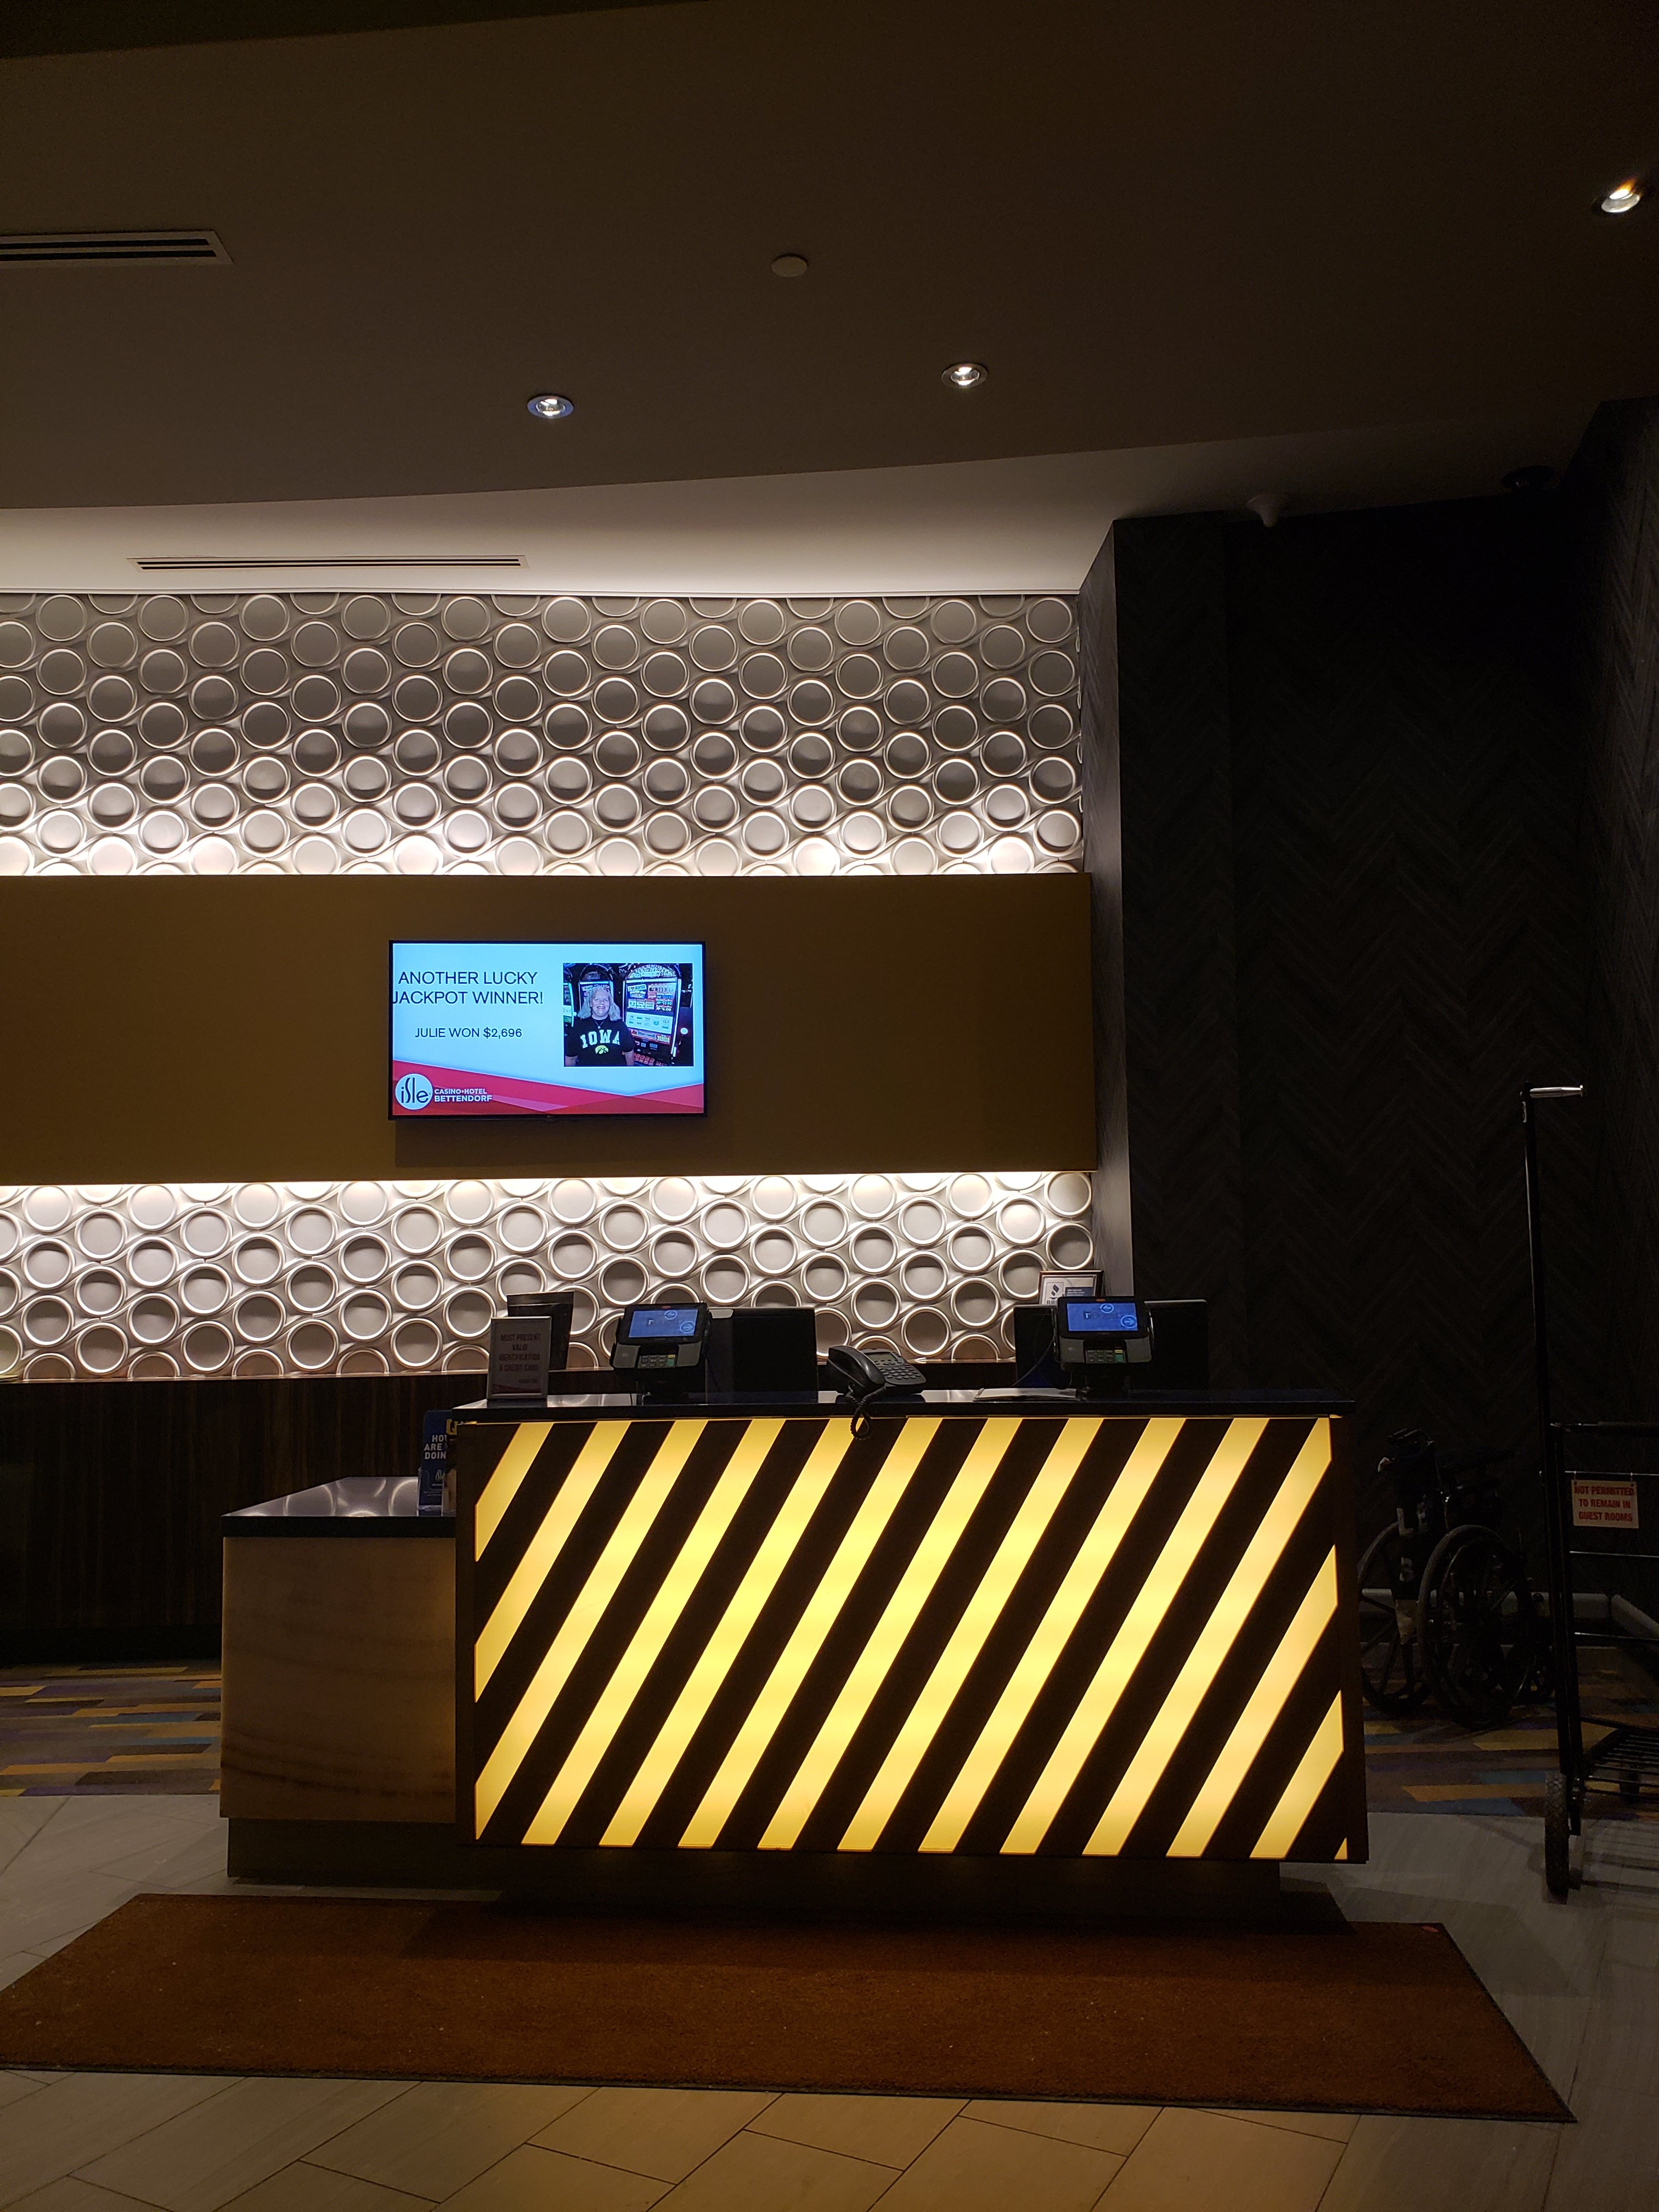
(1220, 1632)
(731, 1633)
(1089, 1634)
(984, 1610)
(1121, 1659)
(565, 1509)
(1037, 1661)
(1296, 1648)
(762, 1723)
(592, 1604)
(673, 1593)
(927, 1563)
(503, 1485)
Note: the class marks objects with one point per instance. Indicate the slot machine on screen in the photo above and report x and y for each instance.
(651, 1001)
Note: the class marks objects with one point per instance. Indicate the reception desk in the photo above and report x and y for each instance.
(1017, 1633)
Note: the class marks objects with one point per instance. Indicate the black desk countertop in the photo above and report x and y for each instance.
(630, 1405)
(355, 1505)
(381, 1506)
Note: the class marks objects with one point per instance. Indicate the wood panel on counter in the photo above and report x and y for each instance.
(339, 1696)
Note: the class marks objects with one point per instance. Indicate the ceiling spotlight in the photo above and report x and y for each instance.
(550, 406)
(966, 375)
(1623, 198)
(790, 264)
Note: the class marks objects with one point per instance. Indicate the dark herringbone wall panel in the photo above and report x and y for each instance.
(1410, 950)
(1170, 711)
(1104, 857)
(1352, 932)
(1611, 496)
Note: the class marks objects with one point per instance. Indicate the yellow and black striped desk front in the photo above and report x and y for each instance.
(1082, 1635)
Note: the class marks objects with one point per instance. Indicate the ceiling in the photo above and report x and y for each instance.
(1351, 255)
(1025, 524)
(89, 26)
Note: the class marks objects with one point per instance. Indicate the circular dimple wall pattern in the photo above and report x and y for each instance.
(519, 736)
(367, 1277)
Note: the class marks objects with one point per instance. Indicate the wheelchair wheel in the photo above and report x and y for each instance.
(1478, 1629)
(1391, 1667)
(1558, 1838)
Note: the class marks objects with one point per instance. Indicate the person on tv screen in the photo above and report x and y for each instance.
(599, 1037)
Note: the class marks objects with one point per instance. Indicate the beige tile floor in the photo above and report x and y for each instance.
(1580, 1981)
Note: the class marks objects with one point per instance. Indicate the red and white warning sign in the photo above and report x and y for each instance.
(1603, 1502)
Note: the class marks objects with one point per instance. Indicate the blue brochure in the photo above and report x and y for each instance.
(435, 1459)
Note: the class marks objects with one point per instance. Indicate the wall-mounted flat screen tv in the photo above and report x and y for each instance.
(600, 1027)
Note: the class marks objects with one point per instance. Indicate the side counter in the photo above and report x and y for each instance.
(339, 1643)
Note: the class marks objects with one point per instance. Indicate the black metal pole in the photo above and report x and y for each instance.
(1568, 1746)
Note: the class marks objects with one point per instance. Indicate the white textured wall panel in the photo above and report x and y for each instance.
(315, 732)
(371, 1278)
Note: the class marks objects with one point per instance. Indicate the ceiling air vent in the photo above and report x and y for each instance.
(219, 564)
(45, 249)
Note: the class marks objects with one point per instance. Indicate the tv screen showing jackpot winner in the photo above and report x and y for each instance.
(577, 1028)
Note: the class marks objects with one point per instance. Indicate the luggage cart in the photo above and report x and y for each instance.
(1625, 1760)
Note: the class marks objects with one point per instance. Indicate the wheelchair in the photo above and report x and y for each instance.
(1445, 1606)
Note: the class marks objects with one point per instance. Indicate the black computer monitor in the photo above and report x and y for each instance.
(764, 1351)
(560, 1307)
(1181, 1347)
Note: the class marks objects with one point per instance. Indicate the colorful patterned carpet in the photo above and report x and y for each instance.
(147, 1731)
(109, 1731)
(1423, 1764)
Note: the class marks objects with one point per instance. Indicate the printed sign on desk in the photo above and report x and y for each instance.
(1603, 1502)
(437, 1429)
(520, 1348)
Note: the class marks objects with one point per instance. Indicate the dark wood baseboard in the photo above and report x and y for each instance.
(108, 1647)
(813, 1885)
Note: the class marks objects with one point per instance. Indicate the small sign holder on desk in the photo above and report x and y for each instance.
(520, 1349)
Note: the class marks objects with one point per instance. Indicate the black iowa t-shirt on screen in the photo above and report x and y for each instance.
(593, 1043)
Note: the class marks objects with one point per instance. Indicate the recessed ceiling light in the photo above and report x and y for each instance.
(550, 406)
(1623, 198)
(966, 375)
(790, 264)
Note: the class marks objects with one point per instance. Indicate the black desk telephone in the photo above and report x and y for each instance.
(861, 1374)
